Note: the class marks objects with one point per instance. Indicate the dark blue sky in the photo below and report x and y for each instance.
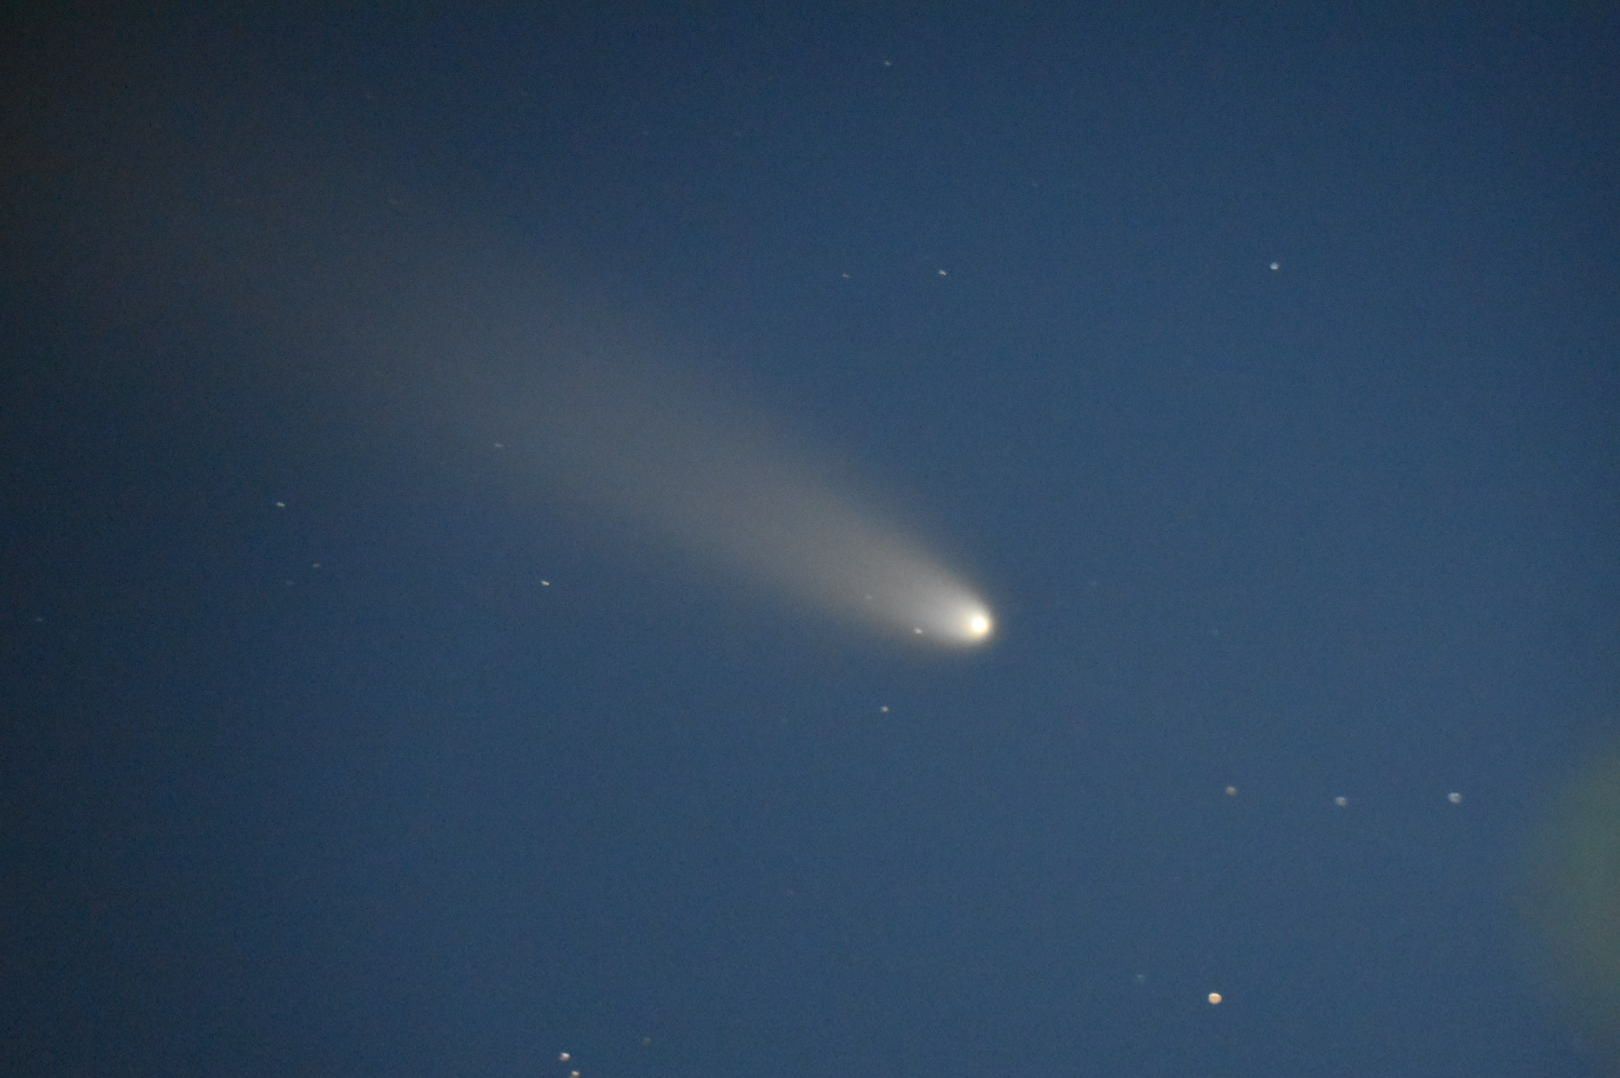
(1259, 367)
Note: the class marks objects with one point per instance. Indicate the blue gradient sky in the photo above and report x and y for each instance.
(338, 739)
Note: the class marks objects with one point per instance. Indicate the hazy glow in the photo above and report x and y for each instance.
(686, 466)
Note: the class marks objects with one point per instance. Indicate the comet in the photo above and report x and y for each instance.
(444, 326)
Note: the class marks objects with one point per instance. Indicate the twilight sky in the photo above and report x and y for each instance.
(447, 454)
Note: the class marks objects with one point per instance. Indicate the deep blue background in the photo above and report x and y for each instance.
(1342, 528)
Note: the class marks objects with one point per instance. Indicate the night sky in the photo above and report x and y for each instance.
(1259, 367)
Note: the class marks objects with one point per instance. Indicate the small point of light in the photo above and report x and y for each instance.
(1231, 791)
(1342, 801)
(1454, 797)
(979, 625)
(1215, 999)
